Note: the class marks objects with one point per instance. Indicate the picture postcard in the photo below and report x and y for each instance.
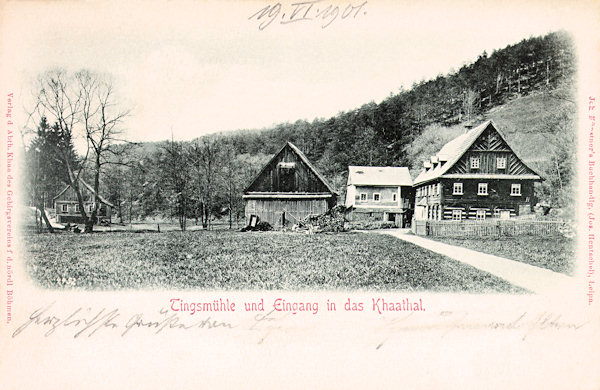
(314, 194)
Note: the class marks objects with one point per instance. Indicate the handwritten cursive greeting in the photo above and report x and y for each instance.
(307, 11)
(447, 321)
(89, 321)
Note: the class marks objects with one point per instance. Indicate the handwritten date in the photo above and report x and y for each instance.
(306, 11)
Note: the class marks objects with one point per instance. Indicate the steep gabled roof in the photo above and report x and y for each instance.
(302, 157)
(379, 176)
(89, 188)
(452, 152)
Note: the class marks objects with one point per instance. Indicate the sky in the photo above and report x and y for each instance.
(186, 69)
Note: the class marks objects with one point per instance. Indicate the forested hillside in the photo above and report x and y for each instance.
(384, 133)
(526, 88)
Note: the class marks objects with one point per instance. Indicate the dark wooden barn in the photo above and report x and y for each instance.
(287, 190)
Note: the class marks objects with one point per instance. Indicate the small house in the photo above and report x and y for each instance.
(67, 209)
(475, 176)
(380, 194)
(288, 190)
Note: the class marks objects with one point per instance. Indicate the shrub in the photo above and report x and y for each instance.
(371, 225)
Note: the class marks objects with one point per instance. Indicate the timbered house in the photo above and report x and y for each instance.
(287, 190)
(475, 176)
(66, 205)
(380, 194)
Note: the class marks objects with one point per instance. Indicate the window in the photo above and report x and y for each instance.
(64, 208)
(287, 177)
(456, 215)
(482, 189)
(395, 197)
(376, 197)
(474, 162)
(501, 162)
(458, 189)
(480, 214)
(363, 197)
(515, 189)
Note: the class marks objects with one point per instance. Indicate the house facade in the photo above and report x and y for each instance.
(288, 190)
(475, 176)
(67, 209)
(380, 194)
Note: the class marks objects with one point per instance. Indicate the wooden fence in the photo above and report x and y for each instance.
(489, 228)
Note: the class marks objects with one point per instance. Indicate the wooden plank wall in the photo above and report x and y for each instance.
(270, 210)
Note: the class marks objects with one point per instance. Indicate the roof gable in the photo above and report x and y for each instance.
(87, 188)
(289, 171)
(490, 140)
(485, 137)
(379, 176)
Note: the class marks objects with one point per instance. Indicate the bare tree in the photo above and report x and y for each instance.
(205, 153)
(83, 107)
(175, 174)
(101, 119)
(469, 99)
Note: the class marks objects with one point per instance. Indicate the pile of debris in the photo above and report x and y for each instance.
(261, 226)
(333, 220)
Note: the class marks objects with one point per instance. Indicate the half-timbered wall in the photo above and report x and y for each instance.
(487, 148)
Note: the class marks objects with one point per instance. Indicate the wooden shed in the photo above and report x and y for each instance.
(288, 189)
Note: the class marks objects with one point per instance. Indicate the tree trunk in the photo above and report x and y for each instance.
(45, 217)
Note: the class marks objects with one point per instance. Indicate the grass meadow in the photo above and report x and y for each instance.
(556, 253)
(226, 260)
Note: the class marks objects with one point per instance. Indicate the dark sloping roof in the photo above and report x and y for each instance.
(451, 152)
(302, 157)
(379, 176)
(312, 168)
(89, 188)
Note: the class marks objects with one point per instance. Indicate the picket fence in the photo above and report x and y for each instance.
(489, 228)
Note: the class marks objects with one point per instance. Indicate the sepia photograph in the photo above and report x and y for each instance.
(382, 183)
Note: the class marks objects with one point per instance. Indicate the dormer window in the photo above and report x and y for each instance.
(474, 162)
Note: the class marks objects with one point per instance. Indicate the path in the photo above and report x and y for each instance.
(529, 277)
